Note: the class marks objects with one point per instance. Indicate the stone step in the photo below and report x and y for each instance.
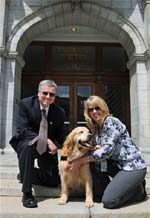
(11, 187)
(11, 172)
(11, 207)
(8, 172)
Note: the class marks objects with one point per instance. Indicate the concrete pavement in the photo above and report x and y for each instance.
(48, 208)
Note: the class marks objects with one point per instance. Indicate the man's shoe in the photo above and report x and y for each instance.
(28, 200)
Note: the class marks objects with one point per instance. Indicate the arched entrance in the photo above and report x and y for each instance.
(80, 70)
(92, 16)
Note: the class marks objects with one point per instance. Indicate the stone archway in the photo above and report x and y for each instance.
(61, 15)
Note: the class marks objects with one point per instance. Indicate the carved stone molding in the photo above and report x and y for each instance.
(145, 2)
(12, 55)
(143, 57)
(2, 51)
(17, 56)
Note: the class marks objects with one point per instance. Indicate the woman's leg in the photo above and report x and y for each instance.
(123, 187)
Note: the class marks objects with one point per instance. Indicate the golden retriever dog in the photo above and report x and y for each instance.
(75, 146)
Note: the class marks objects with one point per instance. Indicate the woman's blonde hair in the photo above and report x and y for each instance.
(96, 101)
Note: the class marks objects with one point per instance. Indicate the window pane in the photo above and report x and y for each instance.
(62, 98)
(74, 58)
(115, 98)
(114, 59)
(83, 93)
(34, 58)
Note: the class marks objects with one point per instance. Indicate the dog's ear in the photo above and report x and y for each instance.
(68, 145)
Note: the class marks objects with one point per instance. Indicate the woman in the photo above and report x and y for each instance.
(118, 154)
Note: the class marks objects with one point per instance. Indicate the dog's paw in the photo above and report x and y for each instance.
(62, 201)
(89, 203)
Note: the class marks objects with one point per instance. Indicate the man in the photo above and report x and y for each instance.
(28, 136)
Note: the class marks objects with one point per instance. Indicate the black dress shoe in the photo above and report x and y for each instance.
(28, 200)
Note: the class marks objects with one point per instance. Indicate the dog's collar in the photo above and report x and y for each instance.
(63, 158)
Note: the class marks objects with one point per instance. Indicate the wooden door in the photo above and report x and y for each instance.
(71, 97)
(80, 69)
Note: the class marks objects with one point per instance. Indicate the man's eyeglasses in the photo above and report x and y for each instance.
(51, 94)
(94, 109)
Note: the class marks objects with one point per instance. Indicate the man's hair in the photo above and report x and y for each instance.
(49, 83)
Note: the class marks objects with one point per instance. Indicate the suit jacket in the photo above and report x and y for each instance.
(28, 123)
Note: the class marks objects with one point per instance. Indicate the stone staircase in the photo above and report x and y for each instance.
(11, 206)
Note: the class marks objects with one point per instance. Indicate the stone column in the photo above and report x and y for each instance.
(146, 6)
(139, 96)
(2, 60)
(2, 22)
(12, 88)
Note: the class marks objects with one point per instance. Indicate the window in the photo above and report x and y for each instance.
(114, 59)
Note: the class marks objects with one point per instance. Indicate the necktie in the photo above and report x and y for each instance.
(42, 138)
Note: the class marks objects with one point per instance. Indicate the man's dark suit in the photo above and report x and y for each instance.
(28, 123)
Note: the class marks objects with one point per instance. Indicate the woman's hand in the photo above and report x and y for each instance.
(52, 147)
(97, 147)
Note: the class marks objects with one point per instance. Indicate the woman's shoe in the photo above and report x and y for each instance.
(143, 187)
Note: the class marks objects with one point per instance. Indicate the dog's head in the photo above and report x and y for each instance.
(77, 143)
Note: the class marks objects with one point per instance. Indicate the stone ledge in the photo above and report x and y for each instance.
(49, 208)
(11, 187)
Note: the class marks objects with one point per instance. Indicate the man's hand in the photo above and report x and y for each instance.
(52, 147)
